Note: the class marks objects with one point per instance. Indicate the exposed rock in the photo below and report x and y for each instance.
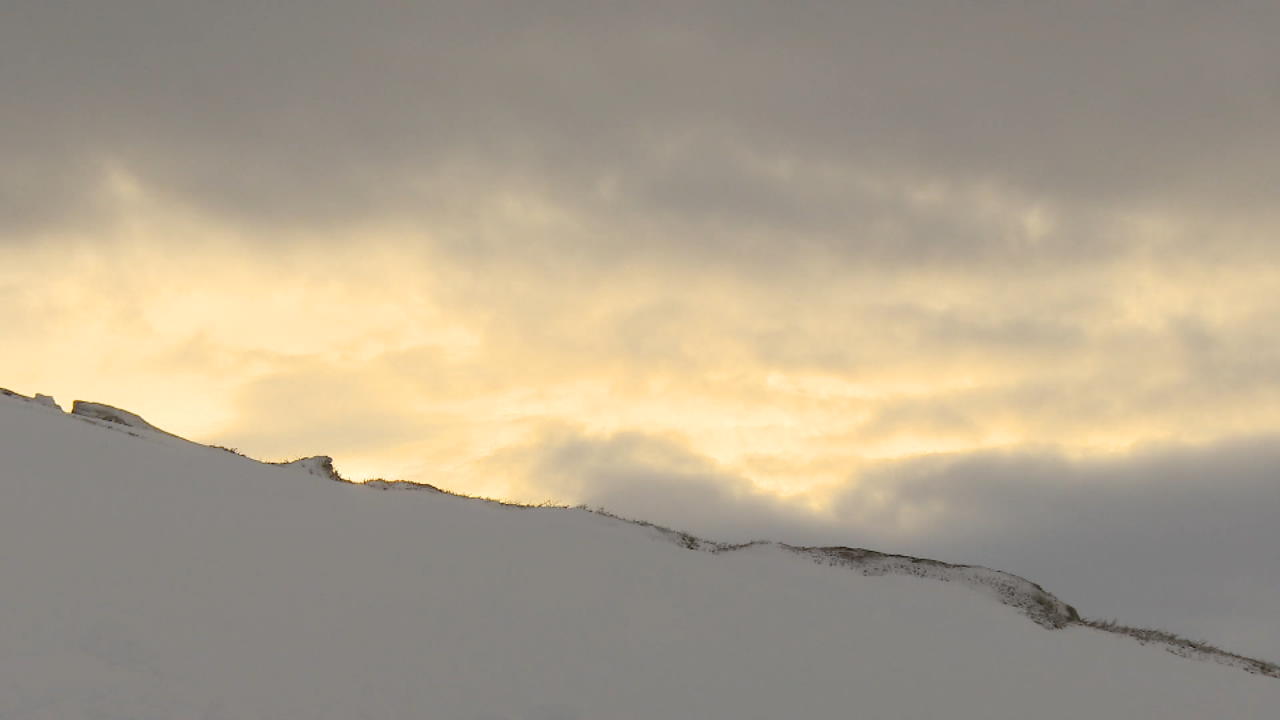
(40, 399)
(318, 465)
(47, 401)
(106, 413)
(400, 485)
(1034, 601)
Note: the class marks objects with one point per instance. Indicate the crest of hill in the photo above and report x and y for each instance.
(1030, 599)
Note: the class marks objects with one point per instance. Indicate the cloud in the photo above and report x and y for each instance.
(322, 408)
(713, 115)
(652, 477)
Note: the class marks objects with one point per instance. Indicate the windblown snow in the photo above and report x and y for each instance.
(144, 576)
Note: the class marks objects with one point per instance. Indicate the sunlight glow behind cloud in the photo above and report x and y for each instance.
(406, 356)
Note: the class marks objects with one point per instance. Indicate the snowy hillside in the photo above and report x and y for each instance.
(143, 576)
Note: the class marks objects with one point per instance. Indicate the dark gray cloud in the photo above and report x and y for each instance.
(1164, 530)
(1179, 537)
(714, 115)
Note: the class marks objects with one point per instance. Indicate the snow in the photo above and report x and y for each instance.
(148, 577)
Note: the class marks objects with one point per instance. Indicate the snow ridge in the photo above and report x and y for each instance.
(1029, 598)
(1035, 602)
(1041, 606)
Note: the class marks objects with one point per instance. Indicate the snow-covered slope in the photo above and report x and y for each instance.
(142, 576)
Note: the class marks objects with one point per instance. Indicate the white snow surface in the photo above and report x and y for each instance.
(142, 576)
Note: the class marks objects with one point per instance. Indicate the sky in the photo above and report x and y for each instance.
(992, 282)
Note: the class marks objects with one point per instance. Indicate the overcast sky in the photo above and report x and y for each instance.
(994, 282)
